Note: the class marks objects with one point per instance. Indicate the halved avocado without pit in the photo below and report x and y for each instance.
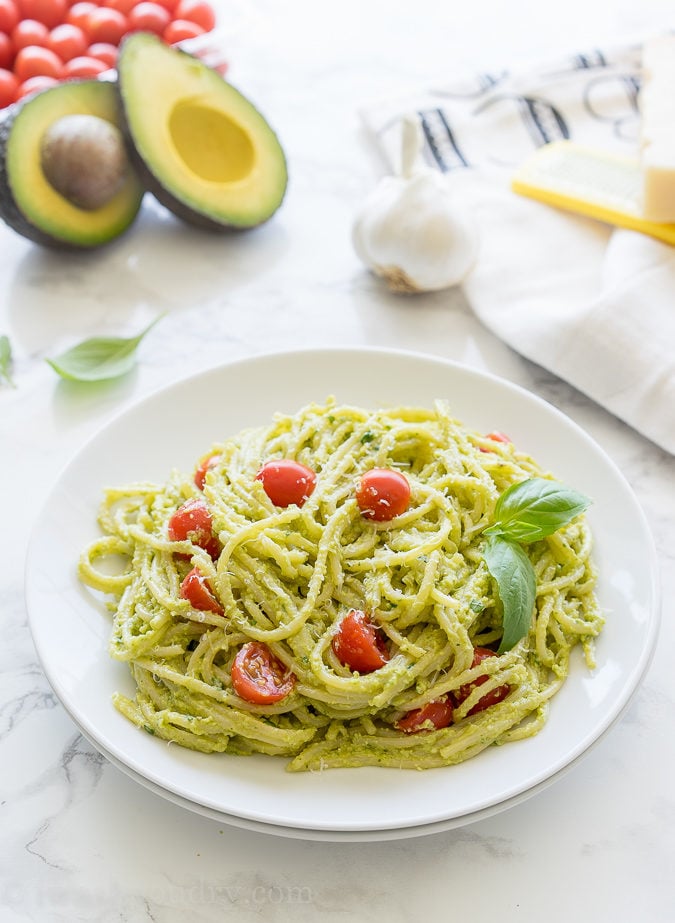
(65, 177)
(199, 146)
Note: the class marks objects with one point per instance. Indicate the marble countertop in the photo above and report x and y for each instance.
(82, 841)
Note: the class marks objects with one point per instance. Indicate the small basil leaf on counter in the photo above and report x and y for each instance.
(512, 570)
(535, 508)
(6, 360)
(99, 358)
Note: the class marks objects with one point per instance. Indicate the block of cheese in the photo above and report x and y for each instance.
(657, 129)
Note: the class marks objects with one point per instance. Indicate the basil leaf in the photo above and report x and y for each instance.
(6, 360)
(535, 508)
(511, 568)
(99, 358)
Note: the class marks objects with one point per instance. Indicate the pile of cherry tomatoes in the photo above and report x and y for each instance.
(43, 42)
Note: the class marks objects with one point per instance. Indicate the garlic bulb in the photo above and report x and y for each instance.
(410, 231)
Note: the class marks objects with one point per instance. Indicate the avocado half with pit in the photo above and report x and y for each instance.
(199, 146)
(65, 177)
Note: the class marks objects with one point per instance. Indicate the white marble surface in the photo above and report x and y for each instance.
(81, 841)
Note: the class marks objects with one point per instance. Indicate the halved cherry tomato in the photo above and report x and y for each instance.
(179, 30)
(287, 481)
(258, 676)
(359, 643)
(197, 11)
(29, 32)
(196, 590)
(430, 717)
(35, 61)
(382, 494)
(50, 12)
(490, 698)
(203, 468)
(495, 436)
(67, 41)
(8, 87)
(193, 521)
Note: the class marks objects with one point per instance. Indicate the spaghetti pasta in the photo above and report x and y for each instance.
(269, 603)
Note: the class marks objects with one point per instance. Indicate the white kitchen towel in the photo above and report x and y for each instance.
(591, 303)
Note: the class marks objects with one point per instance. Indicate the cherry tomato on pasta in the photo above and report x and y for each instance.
(193, 521)
(195, 588)
(490, 698)
(430, 717)
(382, 494)
(498, 436)
(204, 467)
(286, 481)
(359, 644)
(259, 677)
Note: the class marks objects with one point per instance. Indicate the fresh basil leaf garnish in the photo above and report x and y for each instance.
(535, 508)
(99, 358)
(511, 568)
(6, 360)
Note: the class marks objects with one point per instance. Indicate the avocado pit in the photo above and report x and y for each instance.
(84, 159)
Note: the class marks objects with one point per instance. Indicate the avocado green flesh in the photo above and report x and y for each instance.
(28, 203)
(199, 146)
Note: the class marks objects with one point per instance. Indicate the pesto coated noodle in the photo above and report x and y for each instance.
(286, 578)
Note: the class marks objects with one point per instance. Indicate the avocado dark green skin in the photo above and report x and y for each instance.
(10, 212)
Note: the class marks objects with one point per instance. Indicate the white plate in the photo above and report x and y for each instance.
(174, 427)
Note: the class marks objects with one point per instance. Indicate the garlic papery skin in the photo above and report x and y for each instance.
(410, 231)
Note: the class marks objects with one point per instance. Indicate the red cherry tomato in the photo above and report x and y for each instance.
(50, 12)
(287, 481)
(490, 698)
(8, 87)
(193, 521)
(430, 717)
(9, 15)
(6, 51)
(122, 6)
(198, 11)
(258, 676)
(67, 41)
(78, 14)
(179, 30)
(196, 590)
(359, 644)
(204, 467)
(104, 52)
(29, 32)
(106, 25)
(169, 5)
(35, 61)
(382, 494)
(149, 17)
(83, 66)
(35, 85)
